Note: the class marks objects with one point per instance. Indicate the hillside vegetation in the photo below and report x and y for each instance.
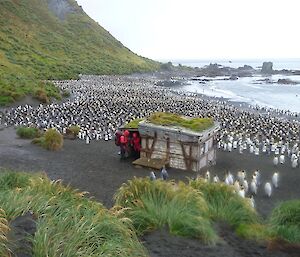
(55, 39)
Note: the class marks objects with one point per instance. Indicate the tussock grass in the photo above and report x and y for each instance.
(41, 95)
(28, 133)
(73, 130)
(4, 229)
(285, 221)
(51, 140)
(39, 141)
(172, 119)
(68, 224)
(156, 204)
(224, 204)
(255, 231)
(12, 180)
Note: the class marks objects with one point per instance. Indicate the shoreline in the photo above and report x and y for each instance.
(242, 105)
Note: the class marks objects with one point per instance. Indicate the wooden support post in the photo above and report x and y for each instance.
(149, 150)
(168, 150)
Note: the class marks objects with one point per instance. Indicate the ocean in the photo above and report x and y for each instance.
(250, 89)
(278, 64)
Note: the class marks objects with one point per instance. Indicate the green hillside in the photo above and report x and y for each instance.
(55, 39)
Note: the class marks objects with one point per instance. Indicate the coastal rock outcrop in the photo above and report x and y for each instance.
(267, 68)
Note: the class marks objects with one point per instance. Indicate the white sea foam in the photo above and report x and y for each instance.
(253, 91)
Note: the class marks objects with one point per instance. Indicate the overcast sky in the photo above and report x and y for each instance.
(202, 29)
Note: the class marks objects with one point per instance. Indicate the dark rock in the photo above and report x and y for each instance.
(296, 72)
(265, 80)
(233, 77)
(287, 82)
(22, 228)
(204, 80)
(245, 74)
(267, 68)
(248, 67)
(214, 70)
(169, 83)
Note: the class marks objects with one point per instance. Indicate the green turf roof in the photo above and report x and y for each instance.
(176, 120)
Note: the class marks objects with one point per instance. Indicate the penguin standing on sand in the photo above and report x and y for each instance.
(237, 186)
(164, 174)
(152, 176)
(252, 202)
(295, 163)
(257, 177)
(229, 178)
(245, 185)
(275, 161)
(87, 139)
(275, 179)
(241, 193)
(216, 179)
(241, 176)
(281, 159)
(253, 186)
(207, 176)
(268, 189)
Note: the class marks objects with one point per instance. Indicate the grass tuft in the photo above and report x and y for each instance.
(4, 229)
(156, 204)
(74, 130)
(68, 224)
(256, 231)
(28, 132)
(285, 221)
(224, 204)
(51, 140)
(11, 180)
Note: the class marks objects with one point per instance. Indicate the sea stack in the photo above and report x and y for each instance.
(267, 68)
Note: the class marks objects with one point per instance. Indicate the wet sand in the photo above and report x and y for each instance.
(97, 168)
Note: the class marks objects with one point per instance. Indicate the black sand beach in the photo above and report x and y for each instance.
(97, 168)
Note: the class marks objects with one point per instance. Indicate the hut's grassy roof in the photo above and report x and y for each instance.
(172, 119)
(134, 124)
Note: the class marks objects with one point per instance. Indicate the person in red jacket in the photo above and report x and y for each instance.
(136, 140)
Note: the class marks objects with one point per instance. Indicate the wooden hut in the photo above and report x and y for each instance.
(176, 146)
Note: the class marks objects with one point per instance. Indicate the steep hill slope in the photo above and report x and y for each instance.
(55, 39)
